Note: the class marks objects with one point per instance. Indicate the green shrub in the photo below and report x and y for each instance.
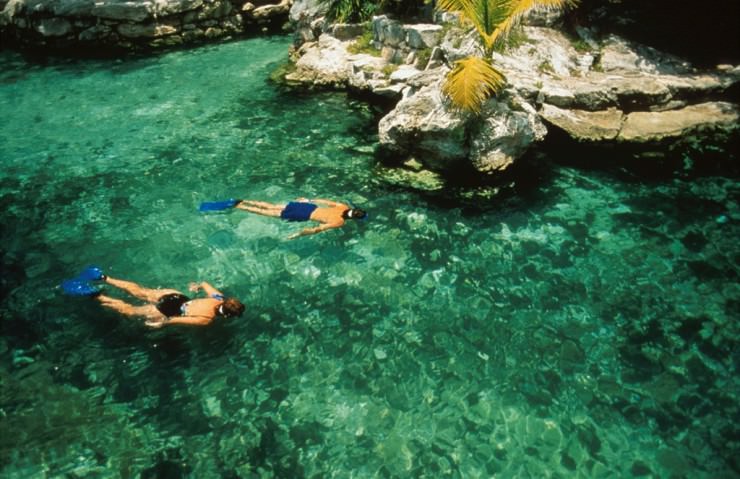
(423, 56)
(389, 69)
(284, 68)
(364, 43)
(350, 11)
(516, 38)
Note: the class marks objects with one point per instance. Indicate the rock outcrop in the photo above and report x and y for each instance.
(108, 25)
(597, 91)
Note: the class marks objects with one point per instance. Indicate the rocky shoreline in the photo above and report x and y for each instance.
(107, 27)
(595, 88)
(598, 90)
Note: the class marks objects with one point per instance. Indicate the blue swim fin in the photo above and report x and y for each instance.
(79, 287)
(218, 205)
(91, 273)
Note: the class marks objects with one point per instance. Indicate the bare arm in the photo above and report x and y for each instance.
(207, 288)
(184, 320)
(317, 229)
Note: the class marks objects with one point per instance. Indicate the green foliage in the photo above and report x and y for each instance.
(350, 11)
(423, 56)
(484, 15)
(402, 9)
(284, 68)
(364, 43)
(517, 37)
(389, 69)
(581, 45)
(357, 11)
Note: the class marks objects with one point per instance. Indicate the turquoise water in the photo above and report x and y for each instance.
(586, 328)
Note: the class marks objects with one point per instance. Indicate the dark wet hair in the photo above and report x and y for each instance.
(231, 308)
(354, 213)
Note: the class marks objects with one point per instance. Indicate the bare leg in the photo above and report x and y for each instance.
(261, 204)
(148, 311)
(147, 294)
(261, 208)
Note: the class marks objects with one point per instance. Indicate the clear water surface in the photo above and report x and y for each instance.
(586, 329)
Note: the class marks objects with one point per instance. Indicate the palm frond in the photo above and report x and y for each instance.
(520, 8)
(486, 16)
(472, 82)
(452, 5)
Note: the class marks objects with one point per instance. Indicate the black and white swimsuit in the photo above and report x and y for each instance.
(173, 304)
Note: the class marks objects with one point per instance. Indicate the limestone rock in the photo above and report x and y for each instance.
(325, 63)
(547, 53)
(504, 135)
(268, 11)
(73, 8)
(54, 27)
(544, 17)
(12, 8)
(307, 10)
(123, 10)
(94, 33)
(644, 127)
(423, 35)
(347, 31)
(423, 126)
(212, 11)
(619, 55)
(388, 32)
(171, 7)
(403, 74)
(306, 17)
(128, 24)
(640, 96)
(577, 94)
(149, 30)
(585, 125)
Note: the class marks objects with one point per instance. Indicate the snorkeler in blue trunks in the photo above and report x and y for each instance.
(330, 214)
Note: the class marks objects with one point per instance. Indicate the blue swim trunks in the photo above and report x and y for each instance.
(296, 211)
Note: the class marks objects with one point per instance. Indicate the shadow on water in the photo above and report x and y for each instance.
(687, 159)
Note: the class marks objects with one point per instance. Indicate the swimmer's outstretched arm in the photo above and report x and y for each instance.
(317, 229)
(209, 290)
(184, 320)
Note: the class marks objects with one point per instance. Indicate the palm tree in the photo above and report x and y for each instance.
(474, 79)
